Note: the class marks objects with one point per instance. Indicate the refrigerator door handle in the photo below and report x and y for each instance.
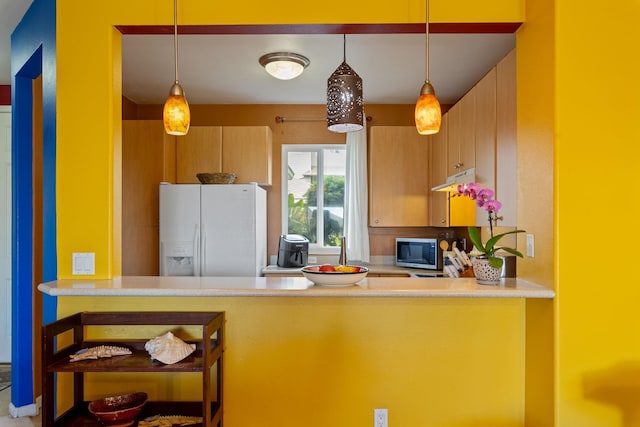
(196, 251)
(203, 246)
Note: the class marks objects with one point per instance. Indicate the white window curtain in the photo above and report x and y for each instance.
(356, 197)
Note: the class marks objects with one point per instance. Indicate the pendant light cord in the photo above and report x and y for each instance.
(344, 48)
(175, 36)
(427, 39)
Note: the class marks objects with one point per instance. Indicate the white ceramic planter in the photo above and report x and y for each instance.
(484, 272)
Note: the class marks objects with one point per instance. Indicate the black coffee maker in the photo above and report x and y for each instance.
(293, 251)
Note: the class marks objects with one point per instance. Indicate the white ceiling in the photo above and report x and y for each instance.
(224, 69)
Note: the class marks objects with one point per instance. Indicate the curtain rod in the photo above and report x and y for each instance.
(280, 119)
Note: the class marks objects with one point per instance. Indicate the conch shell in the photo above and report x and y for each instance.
(99, 352)
(168, 348)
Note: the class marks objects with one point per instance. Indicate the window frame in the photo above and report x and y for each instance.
(314, 248)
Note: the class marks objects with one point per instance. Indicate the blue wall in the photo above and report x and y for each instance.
(33, 52)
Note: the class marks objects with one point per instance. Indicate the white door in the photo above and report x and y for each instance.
(5, 234)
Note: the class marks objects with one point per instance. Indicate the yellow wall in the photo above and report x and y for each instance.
(319, 362)
(598, 350)
(88, 132)
(536, 84)
(589, 342)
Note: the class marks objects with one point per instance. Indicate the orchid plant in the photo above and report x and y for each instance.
(484, 199)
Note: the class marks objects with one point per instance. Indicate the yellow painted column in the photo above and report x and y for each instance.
(597, 135)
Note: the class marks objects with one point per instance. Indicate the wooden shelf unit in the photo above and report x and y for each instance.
(208, 354)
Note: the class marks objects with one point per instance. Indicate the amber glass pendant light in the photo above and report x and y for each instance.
(176, 115)
(427, 114)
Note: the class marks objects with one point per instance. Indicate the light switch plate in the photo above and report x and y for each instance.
(83, 263)
(530, 246)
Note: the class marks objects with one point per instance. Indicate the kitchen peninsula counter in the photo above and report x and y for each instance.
(407, 338)
(391, 287)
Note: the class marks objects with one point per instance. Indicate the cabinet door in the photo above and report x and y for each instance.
(461, 152)
(198, 151)
(398, 177)
(438, 200)
(142, 172)
(246, 151)
(454, 116)
(485, 161)
(467, 130)
(506, 176)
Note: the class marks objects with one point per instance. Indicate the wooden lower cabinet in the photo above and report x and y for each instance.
(82, 327)
(388, 275)
(398, 177)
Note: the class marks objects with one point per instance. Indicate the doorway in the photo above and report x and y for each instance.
(5, 234)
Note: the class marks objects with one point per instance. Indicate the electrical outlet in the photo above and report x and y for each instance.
(312, 260)
(530, 246)
(83, 263)
(380, 417)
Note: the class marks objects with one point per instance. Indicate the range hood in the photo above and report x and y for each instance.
(464, 177)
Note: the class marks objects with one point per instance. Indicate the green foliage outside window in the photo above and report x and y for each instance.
(303, 221)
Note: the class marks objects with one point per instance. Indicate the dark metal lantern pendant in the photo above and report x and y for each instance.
(345, 112)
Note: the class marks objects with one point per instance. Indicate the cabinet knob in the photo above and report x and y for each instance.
(443, 221)
(377, 221)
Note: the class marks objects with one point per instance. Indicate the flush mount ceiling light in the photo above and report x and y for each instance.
(428, 114)
(345, 105)
(284, 65)
(176, 115)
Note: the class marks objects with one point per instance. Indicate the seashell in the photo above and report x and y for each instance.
(169, 420)
(168, 348)
(100, 351)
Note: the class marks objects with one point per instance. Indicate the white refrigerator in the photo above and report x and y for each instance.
(213, 230)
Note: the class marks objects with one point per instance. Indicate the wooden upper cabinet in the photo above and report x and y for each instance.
(485, 161)
(398, 177)
(198, 151)
(247, 152)
(506, 141)
(461, 153)
(438, 200)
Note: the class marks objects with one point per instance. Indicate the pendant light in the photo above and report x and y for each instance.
(176, 115)
(428, 114)
(345, 105)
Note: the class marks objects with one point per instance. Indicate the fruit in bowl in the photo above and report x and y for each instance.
(335, 275)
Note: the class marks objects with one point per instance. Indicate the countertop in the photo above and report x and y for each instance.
(292, 287)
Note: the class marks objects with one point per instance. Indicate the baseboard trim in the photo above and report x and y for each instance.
(27, 410)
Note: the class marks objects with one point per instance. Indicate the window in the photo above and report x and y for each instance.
(313, 179)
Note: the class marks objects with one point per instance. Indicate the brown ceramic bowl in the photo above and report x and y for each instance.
(118, 410)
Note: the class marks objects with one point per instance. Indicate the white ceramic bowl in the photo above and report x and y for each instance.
(335, 278)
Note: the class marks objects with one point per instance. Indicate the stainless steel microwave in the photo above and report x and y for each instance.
(418, 253)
